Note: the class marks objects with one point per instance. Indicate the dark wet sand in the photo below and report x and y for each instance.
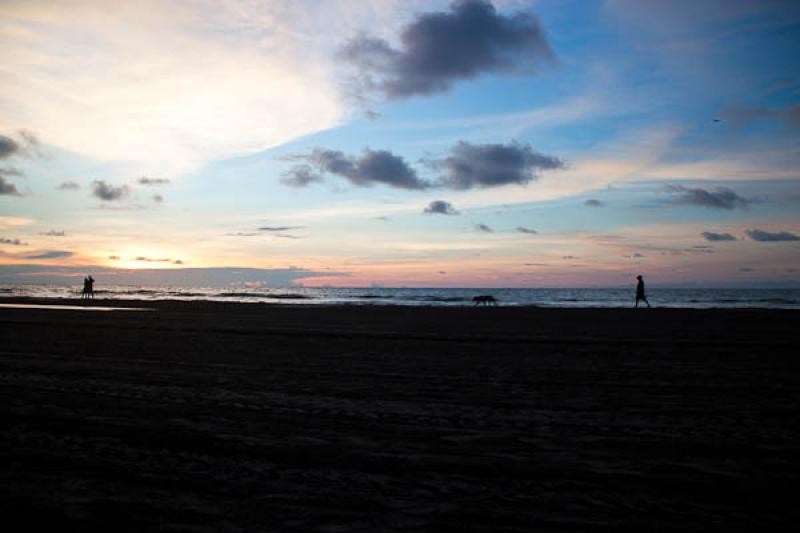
(237, 417)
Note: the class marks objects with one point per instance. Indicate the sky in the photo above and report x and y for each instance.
(467, 143)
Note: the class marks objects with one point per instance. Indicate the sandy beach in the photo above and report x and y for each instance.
(250, 417)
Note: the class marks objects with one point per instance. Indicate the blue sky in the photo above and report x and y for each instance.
(578, 143)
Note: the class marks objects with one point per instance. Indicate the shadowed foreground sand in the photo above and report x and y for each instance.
(236, 417)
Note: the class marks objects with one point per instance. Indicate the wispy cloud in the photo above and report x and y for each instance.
(719, 198)
(69, 186)
(769, 236)
(50, 254)
(12, 242)
(152, 182)
(528, 231)
(132, 80)
(717, 237)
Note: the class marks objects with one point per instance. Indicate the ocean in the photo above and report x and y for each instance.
(659, 297)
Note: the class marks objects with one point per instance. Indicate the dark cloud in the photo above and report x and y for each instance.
(484, 228)
(766, 236)
(177, 262)
(49, 254)
(466, 166)
(719, 198)
(8, 147)
(714, 237)
(11, 171)
(745, 269)
(8, 188)
(28, 146)
(114, 257)
(54, 233)
(594, 203)
(108, 192)
(153, 182)
(440, 207)
(491, 165)
(527, 230)
(300, 176)
(157, 198)
(279, 228)
(440, 48)
(743, 116)
(153, 259)
(69, 186)
(370, 168)
(13, 242)
(569, 257)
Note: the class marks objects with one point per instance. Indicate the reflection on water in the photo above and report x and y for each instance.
(75, 307)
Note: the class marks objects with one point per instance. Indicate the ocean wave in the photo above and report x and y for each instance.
(433, 298)
(287, 296)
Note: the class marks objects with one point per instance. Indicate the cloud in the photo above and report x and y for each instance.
(719, 198)
(153, 260)
(69, 186)
(594, 203)
(370, 168)
(108, 192)
(54, 233)
(529, 231)
(49, 254)
(10, 171)
(715, 237)
(766, 236)
(168, 92)
(742, 116)
(153, 182)
(490, 165)
(569, 257)
(157, 198)
(745, 269)
(13, 242)
(8, 147)
(300, 176)
(114, 257)
(438, 49)
(484, 228)
(440, 207)
(8, 188)
(279, 228)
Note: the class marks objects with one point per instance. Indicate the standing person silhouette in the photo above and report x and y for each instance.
(640, 292)
(89, 284)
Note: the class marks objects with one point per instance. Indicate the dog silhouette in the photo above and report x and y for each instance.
(484, 299)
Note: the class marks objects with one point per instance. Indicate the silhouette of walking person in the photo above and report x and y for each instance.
(640, 292)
